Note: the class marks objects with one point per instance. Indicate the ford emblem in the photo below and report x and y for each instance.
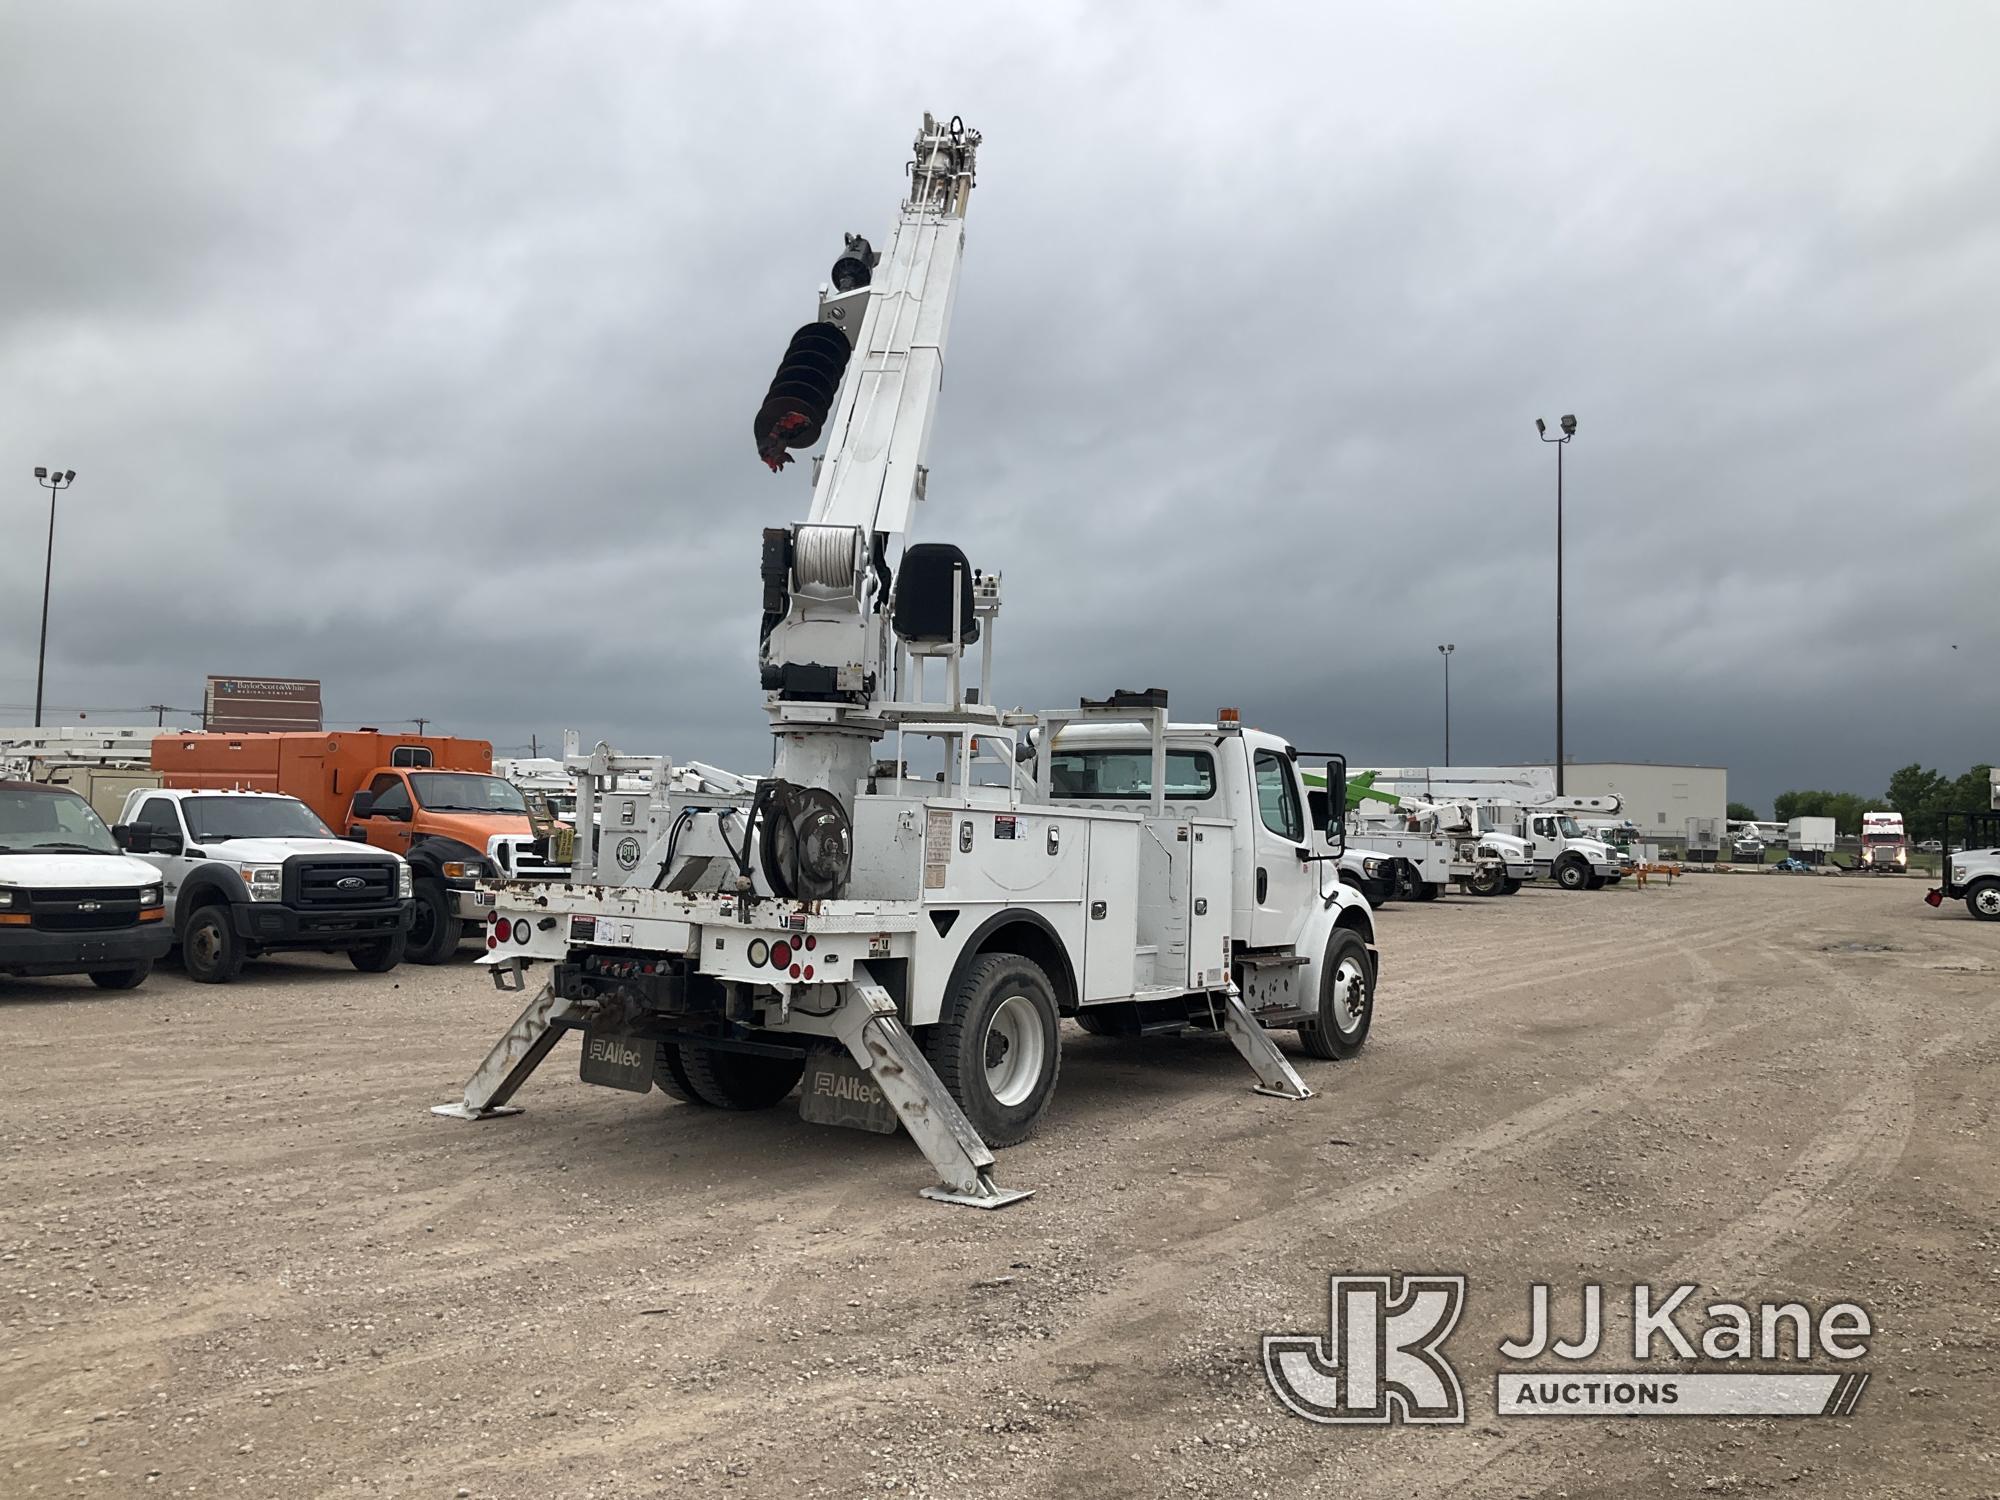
(349, 883)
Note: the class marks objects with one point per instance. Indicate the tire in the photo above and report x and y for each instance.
(1983, 900)
(1613, 879)
(1510, 887)
(737, 1080)
(1489, 882)
(1595, 883)
(434, 934)
(670, 1073)
(1572, 874)
(380, 956)
(210, 950)
(122, 979)
(1407, 886)
(1346, 999)
(998, 1047)
(1096, 1022)
(1429, 890)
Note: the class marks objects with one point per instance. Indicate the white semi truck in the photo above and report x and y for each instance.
(1884, 845)
(903, 950)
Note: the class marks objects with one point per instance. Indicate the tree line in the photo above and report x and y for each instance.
(1923, 796)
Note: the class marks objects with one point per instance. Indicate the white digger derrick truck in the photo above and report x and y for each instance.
(901, 949)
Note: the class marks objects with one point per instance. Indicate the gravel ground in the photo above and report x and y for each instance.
(238, 1256)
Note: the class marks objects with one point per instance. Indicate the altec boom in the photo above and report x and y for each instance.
(905, 932)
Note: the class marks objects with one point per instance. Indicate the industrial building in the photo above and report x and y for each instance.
(1659, 799)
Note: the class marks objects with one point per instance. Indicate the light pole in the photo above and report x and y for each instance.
(54, 481)
(1445, 652)
(1568, 432)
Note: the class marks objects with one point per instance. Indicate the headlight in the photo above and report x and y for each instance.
(6, 898)
(467, 869)
(149, 895)
(1371, 868)
(265, 881)
(405, 887)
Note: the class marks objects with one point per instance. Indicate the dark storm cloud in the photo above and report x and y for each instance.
(414, 348)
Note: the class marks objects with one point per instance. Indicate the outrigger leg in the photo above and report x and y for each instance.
(867, 1025)
(1275, 1075)
(518, 1053)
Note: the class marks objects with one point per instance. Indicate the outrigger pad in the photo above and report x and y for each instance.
(463, 1111)
(993, 1197)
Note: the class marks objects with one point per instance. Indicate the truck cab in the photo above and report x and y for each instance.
(1575, 858)
(458, 828)
(71, 901)
(250, 873)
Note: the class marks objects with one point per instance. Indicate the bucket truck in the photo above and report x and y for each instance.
(902, 950)
(1424, 838)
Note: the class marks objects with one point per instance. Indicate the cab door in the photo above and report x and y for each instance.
(1283, 884)
(161, 817)
(391, 822)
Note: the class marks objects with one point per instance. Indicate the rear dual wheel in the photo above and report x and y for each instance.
(695, 1074)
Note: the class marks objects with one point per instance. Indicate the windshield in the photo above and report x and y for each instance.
(32, 818)
(1570, 828)
(216, 820)
(466, 791)
(1080, 774)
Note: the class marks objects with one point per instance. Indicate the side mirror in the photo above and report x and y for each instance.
(363, 805)
(132, 839)
(1336, 803)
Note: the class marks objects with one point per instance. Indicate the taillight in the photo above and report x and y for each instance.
(781, 954)
(811, 942)
(502, 930)
(522, 932)
(759, 951)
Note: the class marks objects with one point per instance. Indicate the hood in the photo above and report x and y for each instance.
(277, 851)
(75, 871)
(477, 829)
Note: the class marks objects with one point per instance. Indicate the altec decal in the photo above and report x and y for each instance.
(614, 1052)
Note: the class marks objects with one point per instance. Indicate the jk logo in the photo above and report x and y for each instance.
(1380, 1361)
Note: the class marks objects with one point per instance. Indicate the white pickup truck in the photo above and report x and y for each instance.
(249, 873)
(70, 901)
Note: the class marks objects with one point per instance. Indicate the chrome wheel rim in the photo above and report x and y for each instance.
(1989, 900)
(1350, 996)
(1014, 1050)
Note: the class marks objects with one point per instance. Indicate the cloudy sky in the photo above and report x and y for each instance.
(414, 347)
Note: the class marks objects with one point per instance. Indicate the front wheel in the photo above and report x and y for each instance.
(1489, 881)
(1983, 900)
(434, 932)
(121, 979)
(1595, 883)
(1510, 886)
(1346, 999)
(998, 1047)
(380, 956)
(1572, 874)
(1429, 890)
(210, 950)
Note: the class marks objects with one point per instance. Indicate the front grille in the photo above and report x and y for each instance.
(69, 910)
(527, 859)
(323, 885)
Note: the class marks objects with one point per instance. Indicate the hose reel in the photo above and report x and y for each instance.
(807, 848)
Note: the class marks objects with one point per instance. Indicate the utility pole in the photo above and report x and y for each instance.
(161, 710)
(1568, 432)
(534, 747)
(420, 727)
(54, 481)
(1445, 651)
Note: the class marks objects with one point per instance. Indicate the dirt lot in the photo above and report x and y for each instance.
(239, 1257)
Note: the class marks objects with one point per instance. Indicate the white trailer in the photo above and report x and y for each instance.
(903, 951)
(1810, 839)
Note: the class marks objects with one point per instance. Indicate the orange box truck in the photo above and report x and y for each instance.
(431, 798)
